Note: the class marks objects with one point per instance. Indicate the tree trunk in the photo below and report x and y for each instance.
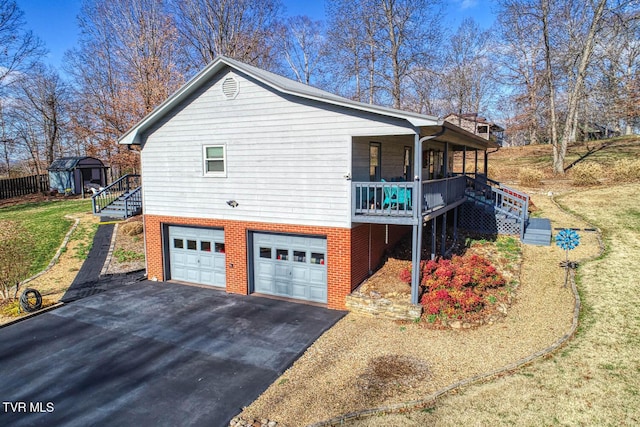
(574, 94)
(558, 158)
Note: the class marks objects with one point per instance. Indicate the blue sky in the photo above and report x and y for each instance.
(54, 21)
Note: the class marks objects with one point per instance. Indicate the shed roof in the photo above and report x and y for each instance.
(71, 163)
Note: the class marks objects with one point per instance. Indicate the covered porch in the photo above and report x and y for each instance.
(410, 180)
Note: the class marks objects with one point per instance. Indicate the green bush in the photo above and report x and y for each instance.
(588, 173)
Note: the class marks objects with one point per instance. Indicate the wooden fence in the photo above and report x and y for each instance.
(14, 187)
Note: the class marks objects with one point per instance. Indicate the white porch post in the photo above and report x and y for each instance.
(416, 241)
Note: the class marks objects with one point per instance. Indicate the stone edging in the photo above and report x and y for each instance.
(112, 245)
(430, 401)
(55, 258)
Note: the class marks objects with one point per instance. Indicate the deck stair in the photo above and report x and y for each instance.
(121, 199)
(493, 208)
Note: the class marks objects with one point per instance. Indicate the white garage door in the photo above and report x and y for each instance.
(196, 255)
(290, 266)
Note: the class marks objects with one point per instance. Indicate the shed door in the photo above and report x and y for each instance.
(197, 255)
(290, 266)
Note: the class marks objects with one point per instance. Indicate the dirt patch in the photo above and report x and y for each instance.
(390, 376)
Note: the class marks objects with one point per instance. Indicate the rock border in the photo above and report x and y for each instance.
(430, 401)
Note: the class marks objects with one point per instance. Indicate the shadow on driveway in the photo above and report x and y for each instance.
(151, 354)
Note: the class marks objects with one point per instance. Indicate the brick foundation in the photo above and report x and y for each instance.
(347, 251)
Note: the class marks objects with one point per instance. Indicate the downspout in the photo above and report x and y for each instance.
(417, 212)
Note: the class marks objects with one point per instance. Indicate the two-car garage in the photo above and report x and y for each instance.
(285, 265)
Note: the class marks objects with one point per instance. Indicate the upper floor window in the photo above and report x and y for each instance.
(215, 160)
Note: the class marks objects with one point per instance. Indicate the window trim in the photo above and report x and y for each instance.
(222, 173)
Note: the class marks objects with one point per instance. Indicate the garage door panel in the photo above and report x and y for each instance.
(299, 291)
(300, 273)
(317, 277)
(290, 266)
(317, 294)
(197, 255)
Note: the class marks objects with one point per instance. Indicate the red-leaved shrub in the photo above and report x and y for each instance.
(456, 286)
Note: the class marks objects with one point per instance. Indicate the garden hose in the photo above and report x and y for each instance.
(31, 300)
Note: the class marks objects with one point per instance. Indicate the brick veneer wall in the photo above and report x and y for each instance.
(338, 261)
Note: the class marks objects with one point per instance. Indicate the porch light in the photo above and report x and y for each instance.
(232, 203)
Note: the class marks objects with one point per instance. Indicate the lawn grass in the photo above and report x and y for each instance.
(47, 225)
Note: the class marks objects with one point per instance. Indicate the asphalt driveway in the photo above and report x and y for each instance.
(151, 354)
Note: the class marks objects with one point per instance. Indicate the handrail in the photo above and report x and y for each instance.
(504, 199)
(442, 192)
(122, 186)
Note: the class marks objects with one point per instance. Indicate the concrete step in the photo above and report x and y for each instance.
(537, 241)
(538, 232)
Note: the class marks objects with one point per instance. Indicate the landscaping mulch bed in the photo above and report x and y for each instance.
(505, 254)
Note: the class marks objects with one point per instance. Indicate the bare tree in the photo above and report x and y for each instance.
(40, 104)
(467, 79)
(125, 65)
(18, 48)
(381, 44)
(411, 31)
(575, 90)
(239, 29)
(346, 49)
(520, 70)
(301, 43)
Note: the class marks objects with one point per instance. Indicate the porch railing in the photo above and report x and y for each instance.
(395, 199)
(124, 186)
(442, 192)
(382, 198)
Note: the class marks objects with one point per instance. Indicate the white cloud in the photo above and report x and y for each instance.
(468, 4)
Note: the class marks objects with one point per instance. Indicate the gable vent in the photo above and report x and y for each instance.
(230, 88)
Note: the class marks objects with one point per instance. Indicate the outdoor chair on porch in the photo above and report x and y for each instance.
(395, 196)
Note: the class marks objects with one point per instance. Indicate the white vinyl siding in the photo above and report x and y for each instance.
(286, 158)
